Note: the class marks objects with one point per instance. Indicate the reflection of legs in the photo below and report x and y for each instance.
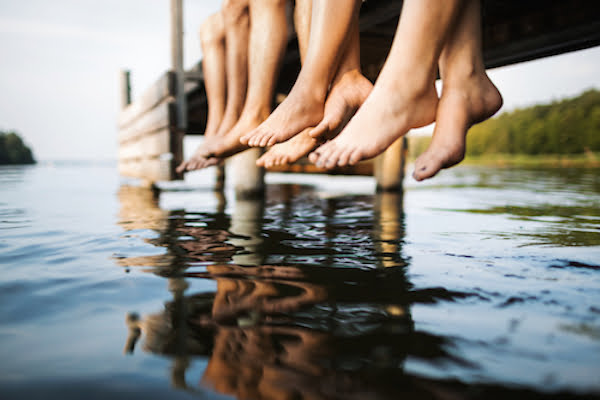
(348, 91)
(303, 108)
(268, 38)
(404, 95)
(468, 95)
(212, 40)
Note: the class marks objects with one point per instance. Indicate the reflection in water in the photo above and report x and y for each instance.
(312, 299)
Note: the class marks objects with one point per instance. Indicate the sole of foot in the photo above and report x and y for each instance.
(386, 115)
(347, 94)
(461, 106)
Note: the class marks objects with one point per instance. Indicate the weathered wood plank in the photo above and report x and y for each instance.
(160, 117)
(364, 168)
(163, 88)
(148, 146)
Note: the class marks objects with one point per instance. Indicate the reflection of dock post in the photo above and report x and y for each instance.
(246, 220)
(177, 287)
(249, 180)
(389, 167)
(389, 214)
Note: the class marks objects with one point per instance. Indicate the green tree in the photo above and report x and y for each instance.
(13, 150)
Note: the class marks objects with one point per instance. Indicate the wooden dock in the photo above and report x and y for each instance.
(152, 128)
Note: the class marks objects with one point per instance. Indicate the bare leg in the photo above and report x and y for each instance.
(212, 41)
(468, 95)
(268, 38)
(404, 95)
(304, 106)
(348, 91)
(235, 19)
(237, 26)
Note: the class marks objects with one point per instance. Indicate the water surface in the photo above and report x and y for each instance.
(481, 283)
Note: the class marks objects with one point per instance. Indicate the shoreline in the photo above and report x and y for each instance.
(586, 160)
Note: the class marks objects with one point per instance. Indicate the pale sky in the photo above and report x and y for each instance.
(60, 62)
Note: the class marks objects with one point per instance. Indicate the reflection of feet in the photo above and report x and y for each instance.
(300, 109)
(461, 106)
(387, 114)
(347, 94)
(289, 151)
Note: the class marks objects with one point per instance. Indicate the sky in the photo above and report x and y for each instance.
(60, 63)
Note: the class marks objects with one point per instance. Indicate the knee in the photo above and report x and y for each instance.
(234, 11)
(212, 29)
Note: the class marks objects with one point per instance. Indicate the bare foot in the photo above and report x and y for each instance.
(289, 151)
(347, 94)
(300, 110)
(461, 106)
(387, 114)
(218, 147)
(197, 161)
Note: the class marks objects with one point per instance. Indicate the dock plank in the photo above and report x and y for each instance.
(148, 146)
(160, 117)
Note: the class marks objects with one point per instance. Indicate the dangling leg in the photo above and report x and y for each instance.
(236, 23)
(236, 19)
(212, 41)
(404, 95)
(268, 39)
(304, 106)
(348, 91)
(468, 95)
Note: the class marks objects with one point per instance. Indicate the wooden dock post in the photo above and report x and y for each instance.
(249, 180)
(177, 61)
(125, 78)
(389, 167)
(177, 134)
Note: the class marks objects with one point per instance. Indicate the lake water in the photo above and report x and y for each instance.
(481, 283)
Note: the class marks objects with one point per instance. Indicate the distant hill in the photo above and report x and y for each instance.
(566, 127)
(13, 150)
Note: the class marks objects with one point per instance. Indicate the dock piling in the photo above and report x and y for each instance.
(249, 180)
(125, 78)
(389, 167)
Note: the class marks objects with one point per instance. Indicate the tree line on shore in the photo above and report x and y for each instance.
(13, 150)
(565, 127)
